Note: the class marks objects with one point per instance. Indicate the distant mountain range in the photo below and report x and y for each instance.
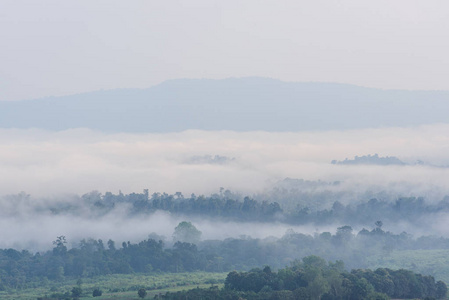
(242, 104)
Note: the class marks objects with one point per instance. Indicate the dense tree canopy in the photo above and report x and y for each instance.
(92, 258)
(313, 278)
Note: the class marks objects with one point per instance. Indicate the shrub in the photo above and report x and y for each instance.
(76, 292)
(97, 293)
(142, 293)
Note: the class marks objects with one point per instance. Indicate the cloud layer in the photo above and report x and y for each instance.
(77, 161)
(52, 165)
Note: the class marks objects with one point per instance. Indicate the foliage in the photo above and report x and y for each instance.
(376, 248)
(292, 201)
(97, 292)
(142, 293)
(76, 291)
(313, 278)
(186, 232)
(119, 286)
(372, 247)
(431, 262)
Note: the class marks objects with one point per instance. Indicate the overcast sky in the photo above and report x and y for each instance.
(53, 47)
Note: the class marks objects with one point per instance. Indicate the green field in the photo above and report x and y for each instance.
(122, 286)
(428, 262)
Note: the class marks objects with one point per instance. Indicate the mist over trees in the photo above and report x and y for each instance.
(22, 269)
(186, 232)
(186, 250)
(364, 229)
(255, 150)
(314, 204)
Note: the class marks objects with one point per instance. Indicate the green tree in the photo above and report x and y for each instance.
(343, 235)
(76, 292)
(186, 232)
(314, 261)
(317, 287)
(60, 248)
(97, 292)
(441, 289)
(142, 293)
(378, 224)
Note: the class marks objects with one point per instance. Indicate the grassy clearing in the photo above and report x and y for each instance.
(428, 262)
(150, 295)
(122, 286)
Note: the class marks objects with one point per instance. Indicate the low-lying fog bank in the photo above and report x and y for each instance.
(49, 165)
(75, 161)
(36, 233)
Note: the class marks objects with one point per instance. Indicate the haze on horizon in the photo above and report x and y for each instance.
(54, 48)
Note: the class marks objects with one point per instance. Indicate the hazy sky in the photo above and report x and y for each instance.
(53, 47)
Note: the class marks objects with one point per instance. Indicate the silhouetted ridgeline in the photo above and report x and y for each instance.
(229, 206)
(230, 104)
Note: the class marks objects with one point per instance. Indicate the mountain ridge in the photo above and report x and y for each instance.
(240, 104)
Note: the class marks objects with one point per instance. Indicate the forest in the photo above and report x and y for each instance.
(317, 207)
(362, 241)
(310, 278)
(226, 149)
(314, 278)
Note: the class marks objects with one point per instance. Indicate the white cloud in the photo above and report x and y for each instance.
(52, 165)
(77, 161)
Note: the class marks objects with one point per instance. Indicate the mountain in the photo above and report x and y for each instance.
(241, 104)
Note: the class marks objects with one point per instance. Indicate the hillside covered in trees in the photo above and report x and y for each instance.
(313, 278)
(315, 204)
(187, 253)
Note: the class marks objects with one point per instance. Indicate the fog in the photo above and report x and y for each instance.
(60, 166)
(36, 232)
(77, 161)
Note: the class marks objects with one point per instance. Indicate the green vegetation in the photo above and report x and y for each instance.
(22, 270)
(119, 286)
(431, 262)
(79, 271)
(142, 292)
(186, 232)
(311, 278)
(314, 279)
(292, 201)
